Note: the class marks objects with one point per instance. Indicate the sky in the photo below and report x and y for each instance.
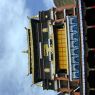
(13, 40)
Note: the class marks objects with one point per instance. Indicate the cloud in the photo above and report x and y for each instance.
(13, 64)
(49, 3)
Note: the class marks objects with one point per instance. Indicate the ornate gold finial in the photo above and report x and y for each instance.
(25, 51)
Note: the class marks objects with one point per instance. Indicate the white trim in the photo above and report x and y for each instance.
(69, 50)
(82, 47)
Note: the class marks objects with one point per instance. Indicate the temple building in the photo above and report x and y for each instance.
(61, 47)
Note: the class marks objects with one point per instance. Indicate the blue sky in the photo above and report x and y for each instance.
(13, 40)
(38, 5)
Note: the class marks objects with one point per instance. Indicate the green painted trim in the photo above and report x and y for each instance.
(60, 3)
